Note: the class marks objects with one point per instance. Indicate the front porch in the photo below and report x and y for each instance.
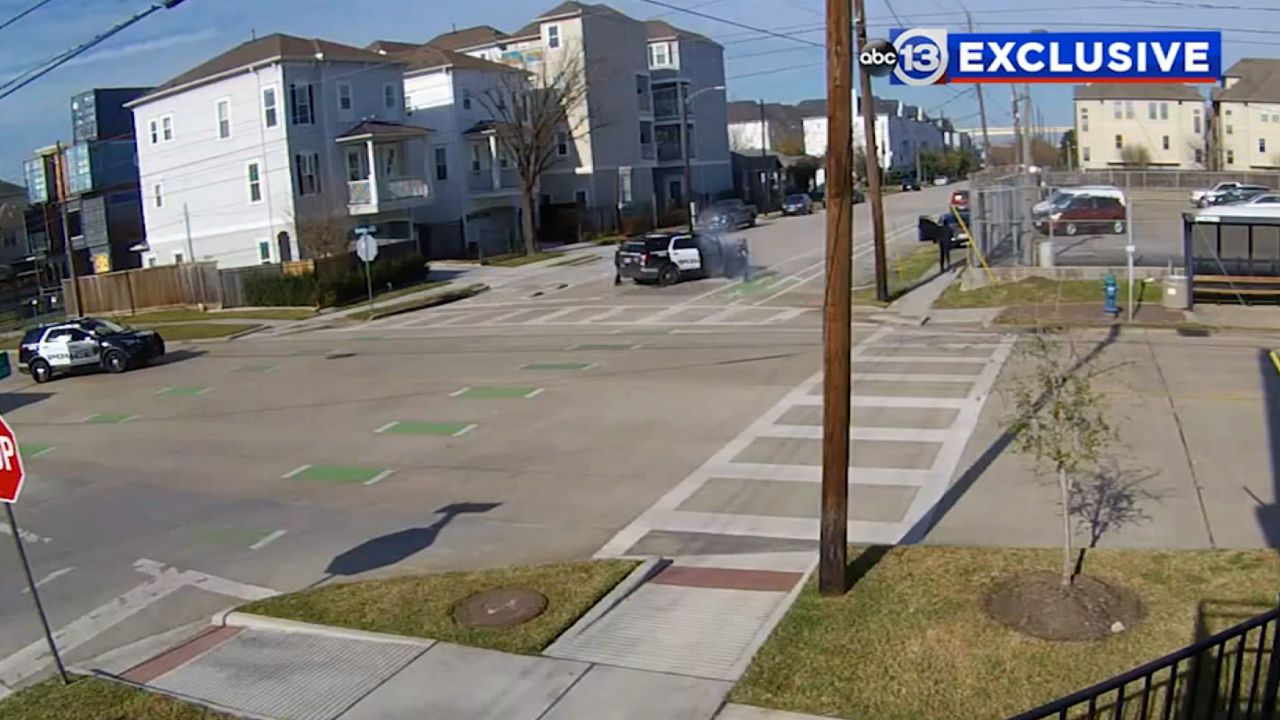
(375, 155)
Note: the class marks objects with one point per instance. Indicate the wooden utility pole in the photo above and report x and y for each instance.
(982, 105)
(764, 131)
(1017, 128)
(874, 189)
(837, 314)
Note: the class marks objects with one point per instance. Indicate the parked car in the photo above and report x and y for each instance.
(797, 204)
(1061, 194)
(960, 200)
(946, 229)
(1263, 199)
(85, 344)
(1235, 195)
(728, 215)
(909, 184)
(1084, 213)
(941, 180)
(1197, 196)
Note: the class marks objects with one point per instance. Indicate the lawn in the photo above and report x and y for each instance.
(905, 271)
(200, 331)
(910, 641)
(422, 606)
(191, 315)
(1034, 290)
(417, 304)
(90, 699)
(518, 259)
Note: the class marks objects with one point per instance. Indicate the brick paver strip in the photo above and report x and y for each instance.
(728, 579)
(206, 640)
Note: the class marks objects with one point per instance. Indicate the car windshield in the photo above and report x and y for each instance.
(105, 327)
(796, 198)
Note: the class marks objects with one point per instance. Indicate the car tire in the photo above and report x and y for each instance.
(1118, 228)
(752, 221)
(159, 346)
(669, 275)
(115, 362)
(41, 370)
(1071, 229)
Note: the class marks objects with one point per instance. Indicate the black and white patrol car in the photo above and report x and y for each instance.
(85, 344)
(665, 258)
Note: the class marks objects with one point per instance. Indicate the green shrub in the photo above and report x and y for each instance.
(281, 290)
(386, 274)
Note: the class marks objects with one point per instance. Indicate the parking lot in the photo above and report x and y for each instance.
(1157, 234)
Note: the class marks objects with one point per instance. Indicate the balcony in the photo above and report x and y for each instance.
(392, 194)
(487, 182)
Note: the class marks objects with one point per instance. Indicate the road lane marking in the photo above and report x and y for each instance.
(26, 535)
(49, 578)
(268, 539)
(298, 470)
(379, 477)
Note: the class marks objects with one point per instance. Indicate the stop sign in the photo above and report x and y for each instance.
(11, 472)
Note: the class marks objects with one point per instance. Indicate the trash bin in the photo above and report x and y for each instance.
(1176, 295)
(1046, 253)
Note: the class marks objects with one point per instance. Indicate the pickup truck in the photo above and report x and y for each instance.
(728, 215)
(1199, 197)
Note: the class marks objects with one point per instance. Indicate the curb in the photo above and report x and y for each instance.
(642, 574)
(252, 621)
(190, 700)
(443, 298)
(227, 338)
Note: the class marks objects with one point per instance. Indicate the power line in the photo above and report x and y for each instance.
(24, 13)
(735, 23)
(1203, 6)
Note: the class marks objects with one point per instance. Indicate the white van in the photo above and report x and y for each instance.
(1063, 193)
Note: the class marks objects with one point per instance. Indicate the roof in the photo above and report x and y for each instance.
(272, 48)
(430, 57)
(468, 37)
(1259, 81)
(483, 127)
(1137, 91)
(662, 30)
(533, 29)
(390, 46)
(812, 108)
(8, 188)
(565, 8)
(382, 129)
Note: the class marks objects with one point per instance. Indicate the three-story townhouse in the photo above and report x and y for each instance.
(1161, 125)
(274, 150)
(1246, 111)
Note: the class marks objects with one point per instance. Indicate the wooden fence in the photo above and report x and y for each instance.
(131, 290)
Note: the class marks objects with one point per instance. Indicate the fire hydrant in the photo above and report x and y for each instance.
(1109, 292)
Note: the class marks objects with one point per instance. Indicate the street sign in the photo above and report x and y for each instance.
(10, 465)
(367, 230)
(367, 248)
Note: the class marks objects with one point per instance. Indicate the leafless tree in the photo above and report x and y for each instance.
(534, 112)
(324, 231)
(1135, 155)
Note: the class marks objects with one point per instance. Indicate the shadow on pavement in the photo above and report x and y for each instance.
(10, 401)
(390, 549)
(177, 356)
(1268, 514)
(988, 456)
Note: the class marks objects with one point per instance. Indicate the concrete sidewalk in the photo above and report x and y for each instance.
(261, 667)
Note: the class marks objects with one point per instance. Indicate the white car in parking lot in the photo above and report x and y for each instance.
(1198, 197)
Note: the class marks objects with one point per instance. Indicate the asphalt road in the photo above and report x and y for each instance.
(529, 424)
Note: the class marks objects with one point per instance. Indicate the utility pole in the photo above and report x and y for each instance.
(982, 105)
(874, 189)
(1017, 128)
(186, 223)
(683, 94)
(764, 131)
(1028, 120)
(837, 365)
(62, 188)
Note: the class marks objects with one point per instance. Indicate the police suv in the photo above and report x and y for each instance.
(664, 258)
(85, 344)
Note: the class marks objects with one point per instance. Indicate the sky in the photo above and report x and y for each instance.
(758, 66)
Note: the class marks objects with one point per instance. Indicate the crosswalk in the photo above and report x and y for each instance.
(917, 398)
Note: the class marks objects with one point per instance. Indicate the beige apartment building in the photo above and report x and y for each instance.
(1247, 116)
(1158, 126)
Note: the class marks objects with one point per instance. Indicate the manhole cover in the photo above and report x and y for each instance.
(504, 607)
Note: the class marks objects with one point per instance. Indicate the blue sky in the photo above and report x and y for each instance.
(171, 41)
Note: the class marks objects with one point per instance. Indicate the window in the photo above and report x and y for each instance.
(356, 160)
(442, 163)
(307, 170)
(624, 185)
(152, 261)
(580, 198)
(502, 157)
(346, 102)
(300, 104)
(166, 128)
(1164, 142)
(1118, 105)
(1195, 122)
(1229, 129)
(1084, 119)
(1128, 109)
(179, 258)
(646, 132)
(1164, 111)
(553, 37)
(1264, 117)
(1199, 155)
(1231, 157)
(389, 96)
(255, 182)
(1151, 111)
(476, 163)
(157, 194)
(223, 112)
(270, 114)
(683, 243)
(675, 193)
(1262, 145)
(1119, 142)
(562, 144)
(466, 99)
(660, 55)
(264, 251)
(154, 127)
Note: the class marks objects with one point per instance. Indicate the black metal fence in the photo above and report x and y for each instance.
(1232, 675)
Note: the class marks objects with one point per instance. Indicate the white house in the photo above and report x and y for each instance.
(244, 156)
(1247, 116)
(1167, 120)
(902, 131)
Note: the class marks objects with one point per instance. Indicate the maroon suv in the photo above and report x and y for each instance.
(1085, 214)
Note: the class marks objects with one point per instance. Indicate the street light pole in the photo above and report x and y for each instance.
(684, 147)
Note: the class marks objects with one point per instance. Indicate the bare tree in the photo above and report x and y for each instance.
(1135, 155)
(536, 112)
(742, 140)
(1059, 419)
(324, 231)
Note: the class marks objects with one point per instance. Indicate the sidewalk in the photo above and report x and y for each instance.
(605, 666)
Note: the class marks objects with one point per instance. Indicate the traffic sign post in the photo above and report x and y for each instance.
(11, 477)
(367, 250)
